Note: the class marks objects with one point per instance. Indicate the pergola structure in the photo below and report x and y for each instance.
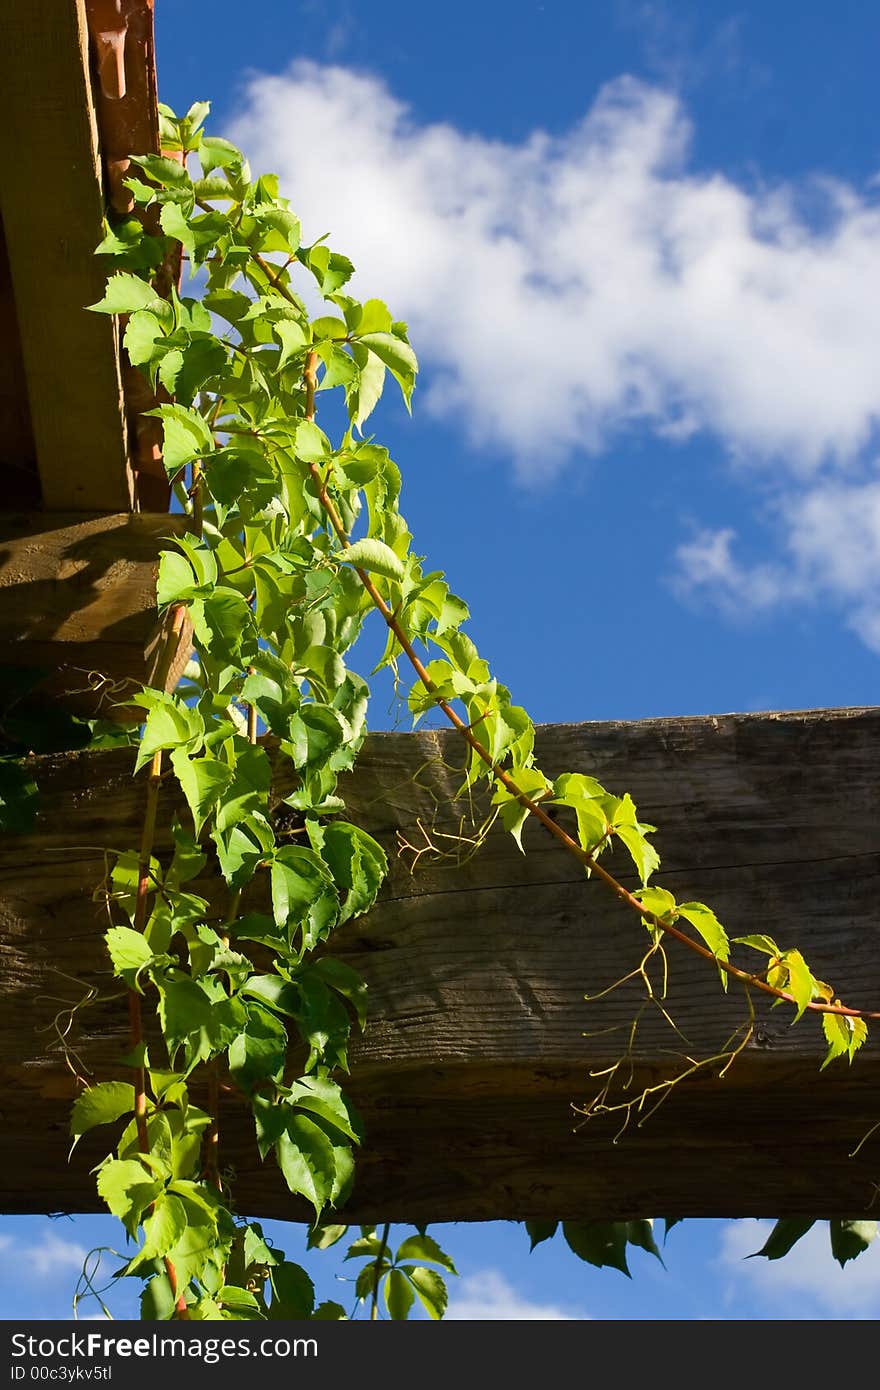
(480, 1049)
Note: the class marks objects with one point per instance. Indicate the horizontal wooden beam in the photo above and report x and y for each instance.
(78, 599)
(480, 1042)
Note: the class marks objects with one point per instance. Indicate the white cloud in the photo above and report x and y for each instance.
(487, 1296)
(564, 288)
(567, 286)
(43, 1258)
(829, 538)
(808, 1271)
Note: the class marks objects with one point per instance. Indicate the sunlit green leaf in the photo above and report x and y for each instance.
(375, 556)
(100, 1104)
(399, 1295)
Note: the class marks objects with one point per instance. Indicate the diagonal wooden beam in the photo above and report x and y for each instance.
(52, 206)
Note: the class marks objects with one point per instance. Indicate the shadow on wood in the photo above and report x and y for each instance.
(475, 1050)
(78, 600)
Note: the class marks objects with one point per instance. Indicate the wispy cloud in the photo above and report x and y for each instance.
(807, 1279)
(827, 543)
(488, 1296)
(49, 1256)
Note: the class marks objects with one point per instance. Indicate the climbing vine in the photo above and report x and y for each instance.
(295, 540)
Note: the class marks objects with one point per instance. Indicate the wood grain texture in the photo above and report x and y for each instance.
(18, 453)
(480, 1041)
(52, 206)
(78, 598)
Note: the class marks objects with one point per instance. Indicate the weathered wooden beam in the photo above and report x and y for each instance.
(78, 599)
(52, 207)
(480, 1041)
(18, 454)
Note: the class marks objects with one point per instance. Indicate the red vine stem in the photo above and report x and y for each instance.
(173, 638)
(212, 1133)
(534, 809)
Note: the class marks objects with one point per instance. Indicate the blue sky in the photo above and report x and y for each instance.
(638, 246)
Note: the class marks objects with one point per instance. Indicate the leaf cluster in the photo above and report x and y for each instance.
(294, 540)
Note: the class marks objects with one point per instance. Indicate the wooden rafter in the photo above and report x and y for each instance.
(53, 206)
(479, 1038)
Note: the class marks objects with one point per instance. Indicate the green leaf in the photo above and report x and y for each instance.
(176, 579)
(306, 1159)
(850, 1238)
(248, 792)
(539, 1231)
(124, 294)
(708, 926)
(312, 444)
(329, 327)
(364, 394)
(165, 1226)
(322, 1236)
(314, 732)
(170, 723)
(375, 556)
(346, 982)
(183, 372)
(216, 153)
(256, 1250)
(186, 436)
(157, 1300)
(323, 1098)
(203, 781)
(422, 1247)
(299, 878)
(99, 1105)
(365, 1247)
(641, 1233)
(275, 993)
(328, 1311)
(643, 854)
(293, 1293)
(784, 1235)
(800, 980)
(197, 1247)
(129, 952)
(163, 170)
(375, 317)
(397, 356)
(292, 337)
(259, 1053)
(127, 1189)
(843, 1034)
(358, 865)
(143, 337)
(241, 848)
(658, 901)
(240, 1301)
(759, 942)
(598, 1242)
(431, 1289)
(223, 625)
(283, 229)
(399, 1296)
(197, 1016)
